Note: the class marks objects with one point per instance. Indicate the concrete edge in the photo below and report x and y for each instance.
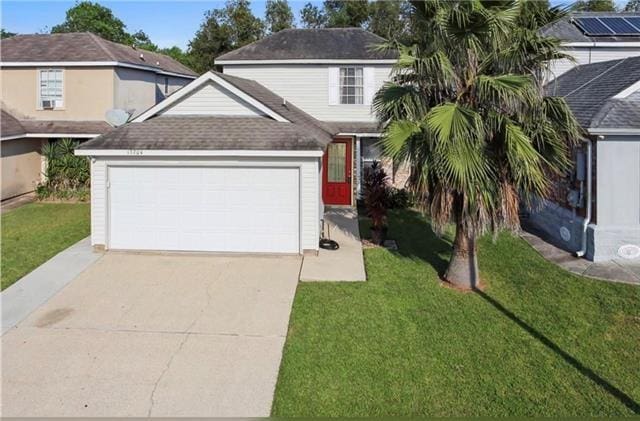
(575, 272)
(28, 293)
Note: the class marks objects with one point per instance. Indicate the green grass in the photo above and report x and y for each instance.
(537, 341)
(34, 233)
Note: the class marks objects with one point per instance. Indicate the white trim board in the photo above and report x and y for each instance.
(92, 64)
(306, 61)
(176, 152)
(191, 87)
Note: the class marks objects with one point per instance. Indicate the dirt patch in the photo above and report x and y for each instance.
(54, 316)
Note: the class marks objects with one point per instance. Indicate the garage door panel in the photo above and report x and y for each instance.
(204, 209)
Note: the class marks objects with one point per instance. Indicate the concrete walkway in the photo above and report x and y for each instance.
(344, 264)
(34, 289)
(617, 270)
(139, 335)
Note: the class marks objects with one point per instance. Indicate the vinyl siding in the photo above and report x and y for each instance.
(309, 189)
(98, 202)
(587, 55)
(307, 87)
(212, 99)
(618, 179)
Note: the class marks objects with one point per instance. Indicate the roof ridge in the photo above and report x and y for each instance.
(598, 76)
(98, 40)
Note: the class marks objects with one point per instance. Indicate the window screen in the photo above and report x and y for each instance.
(351, 85)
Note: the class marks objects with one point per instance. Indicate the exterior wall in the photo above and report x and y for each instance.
(21, 166)
(212, 99)
(618, 187)
(586, 55)
(174, 83)
(309, 189)
(307, 87)
(88, 93)
(135, 90)
(617, 204)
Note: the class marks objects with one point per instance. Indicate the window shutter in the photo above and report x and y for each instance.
(369, 85)
(334, 85)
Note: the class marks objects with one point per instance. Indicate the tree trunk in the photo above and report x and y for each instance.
(463, 266)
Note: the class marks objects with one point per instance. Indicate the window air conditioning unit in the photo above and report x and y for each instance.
(48, 104)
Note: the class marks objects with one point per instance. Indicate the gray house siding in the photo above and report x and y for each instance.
(617, 204)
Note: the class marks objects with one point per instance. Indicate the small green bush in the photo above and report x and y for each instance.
(399, 199)
(67, 176)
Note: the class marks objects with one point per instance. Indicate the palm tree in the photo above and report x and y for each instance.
(465, 108)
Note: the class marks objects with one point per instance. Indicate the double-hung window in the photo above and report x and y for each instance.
(51, 85)
(351, 85)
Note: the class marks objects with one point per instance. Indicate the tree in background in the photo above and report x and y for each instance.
(312, 17)
(594, 6)
(465, 108)
(6, 34)
(177, 54)
(224, 30)
(632, 6)
(278, 16)
(389, 18)
(342, 14)
(87, 16)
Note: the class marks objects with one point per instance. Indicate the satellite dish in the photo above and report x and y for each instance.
(117, 117)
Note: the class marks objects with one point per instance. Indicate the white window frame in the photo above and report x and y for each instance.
(355, 86)
(39, 88)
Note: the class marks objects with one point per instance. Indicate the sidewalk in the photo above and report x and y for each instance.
(616, 270)
(35, 288)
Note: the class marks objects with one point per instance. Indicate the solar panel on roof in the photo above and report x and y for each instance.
(619, 26)
(593, 26)
(634, 20)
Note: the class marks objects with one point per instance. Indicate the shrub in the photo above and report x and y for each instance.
(67, 176)
(376, 197)
(399, 199)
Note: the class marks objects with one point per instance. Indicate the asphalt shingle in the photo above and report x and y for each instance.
(326, 43)
(83, 46)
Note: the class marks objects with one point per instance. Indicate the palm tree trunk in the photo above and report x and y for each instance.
(463, 266)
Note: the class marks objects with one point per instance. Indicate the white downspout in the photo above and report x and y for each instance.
(587, 218)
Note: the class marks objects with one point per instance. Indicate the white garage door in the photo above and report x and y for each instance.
(224, 209)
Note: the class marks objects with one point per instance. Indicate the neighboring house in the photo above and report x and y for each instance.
(601, 200)
(333, 75)
(62, 85)
(592, 37)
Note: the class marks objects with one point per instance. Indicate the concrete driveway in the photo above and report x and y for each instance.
(154, 335)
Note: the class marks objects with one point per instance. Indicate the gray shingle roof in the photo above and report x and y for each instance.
(588, 88)
(207, 133)
(333, 43)
(83, 46)
(355, 126)
(10, 125)
(618, 114)
(567, 31)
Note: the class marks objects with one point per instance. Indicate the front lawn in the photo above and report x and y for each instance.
(537, 341)
(34, 233)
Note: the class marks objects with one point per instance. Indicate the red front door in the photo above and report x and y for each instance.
(336, 173)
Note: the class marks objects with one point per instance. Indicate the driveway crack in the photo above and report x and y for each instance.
(164, 371)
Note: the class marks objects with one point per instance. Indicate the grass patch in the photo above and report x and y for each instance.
(537, 341)
(33, 233)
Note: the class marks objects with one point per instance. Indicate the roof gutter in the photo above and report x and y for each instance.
(51, 135)
(200, 152)
(308, 61)
(602, 44)
(93, 64)
(613, 132)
